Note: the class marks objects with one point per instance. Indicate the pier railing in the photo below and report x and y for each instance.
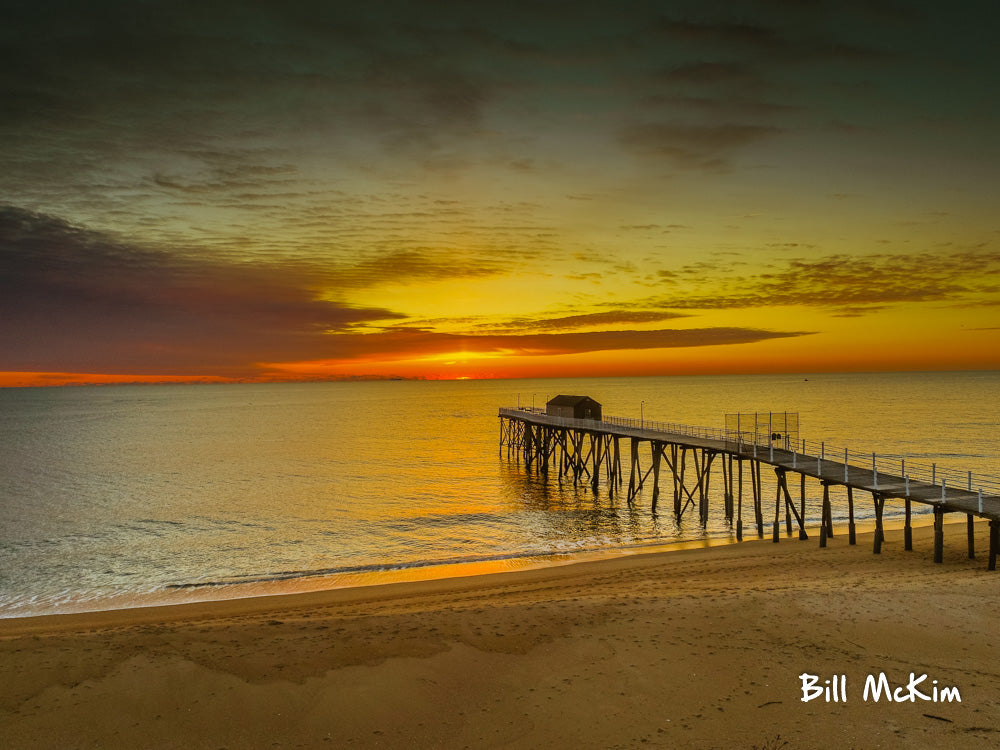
(806, 452)
(896, 465)
(646, 425)
(709, 433)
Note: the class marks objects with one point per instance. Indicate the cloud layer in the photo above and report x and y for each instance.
(72, 299)
(848, 285)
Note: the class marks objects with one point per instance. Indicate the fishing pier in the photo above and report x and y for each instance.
(588, 448)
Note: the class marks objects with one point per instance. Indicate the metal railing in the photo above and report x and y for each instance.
(672, 428)
(804, 454)
(637, 425)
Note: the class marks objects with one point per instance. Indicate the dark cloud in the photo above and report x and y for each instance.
(764, 64)
(400, 343)
(73, 299)
(588, 320)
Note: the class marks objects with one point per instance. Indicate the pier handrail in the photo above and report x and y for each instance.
(898, 465)
(886, 465)
(710, 433)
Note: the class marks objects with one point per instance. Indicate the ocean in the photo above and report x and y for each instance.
(125, 496)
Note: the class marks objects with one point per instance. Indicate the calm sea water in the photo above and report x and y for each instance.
(127, 496)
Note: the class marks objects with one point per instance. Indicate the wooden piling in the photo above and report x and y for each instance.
(757, 497)
(879, 536)
(907, 529)
(679, 505)
(595, 446)
(970, 520)
(826, 515)
(802, 506)
(851, 535)
(739, 501)
(635, 466)
(777, 515)
(657, 455)
(677, 466)
(938, 534)
(782, 479)
(727, 483)
(703, 482)
(616, 466)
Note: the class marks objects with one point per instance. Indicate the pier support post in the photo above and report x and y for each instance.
(596, 446)
(579, 461)
(777, 514)
(727, 485)
(907, 529)
(879, 535)
(703, 482)
(739, 501)
(781, 476)
(757, 497)
(938, 534)
(657, 455)
(788, 518)
(970, 520)
(851, 535)
(615, 474)
(635, 466)
(678, 467)
(802, 506)
(824, 522)
(545, 445)
(827, 510)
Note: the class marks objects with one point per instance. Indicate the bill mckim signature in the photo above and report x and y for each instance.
(878, 688)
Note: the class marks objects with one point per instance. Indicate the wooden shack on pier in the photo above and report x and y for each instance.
(574, 407)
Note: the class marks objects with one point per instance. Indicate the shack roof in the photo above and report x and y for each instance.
(569, 400)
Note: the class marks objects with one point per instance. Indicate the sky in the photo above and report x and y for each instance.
(267, 191)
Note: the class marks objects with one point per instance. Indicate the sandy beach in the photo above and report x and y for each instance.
(693, 648)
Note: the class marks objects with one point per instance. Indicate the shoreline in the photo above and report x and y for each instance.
(689, 648)
(318, 586)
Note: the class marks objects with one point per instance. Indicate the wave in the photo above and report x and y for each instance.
(539, 554)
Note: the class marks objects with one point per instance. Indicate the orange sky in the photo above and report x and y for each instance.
(240, 194)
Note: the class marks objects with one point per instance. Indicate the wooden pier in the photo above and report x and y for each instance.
(680, 460)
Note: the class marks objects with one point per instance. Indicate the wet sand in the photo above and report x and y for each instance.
(691, 648)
